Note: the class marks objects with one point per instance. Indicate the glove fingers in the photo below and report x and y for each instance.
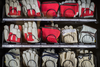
(62, 58)
(92, 6)
(36, 6)
(11, 27)
(6, 32)
(7, 9)
(25, 59)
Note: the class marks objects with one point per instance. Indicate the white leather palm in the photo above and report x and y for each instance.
(68, 59)
(86, 37)
(10, 5)
(30, 58)
(69, 35)
(13, 60)
(30, 27)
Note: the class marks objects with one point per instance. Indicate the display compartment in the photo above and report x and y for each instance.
(23, 18)
(57, 51)
(43, 44)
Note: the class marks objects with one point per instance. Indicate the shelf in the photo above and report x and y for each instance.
(49, 19)
(48, 46)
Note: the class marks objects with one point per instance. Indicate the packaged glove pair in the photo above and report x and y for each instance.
(50, 34)
(49, 58)
(12, 58)
(12, 8)
(86, 8)
(69, 8)
(31, 8)
(50, 8)
(30, 58)
(69, 35)
(13, 34)
(86, 58)
(87, 34)
(68, 58)
(31, 33)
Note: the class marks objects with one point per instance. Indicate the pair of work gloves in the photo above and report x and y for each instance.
(30, 58)
(86, 58)
(68, 58)
(51, 33)
(86, 8)
(49, 58)
(12, 8)
(31, 8)
(30, 32)
(12, 33)
(87, 34)
(12, 58)
(83, 8)
(69, 34)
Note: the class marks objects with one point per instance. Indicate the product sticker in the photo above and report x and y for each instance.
(68, 31)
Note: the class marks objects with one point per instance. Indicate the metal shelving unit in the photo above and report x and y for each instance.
(21, 45)
(48, 46)
(49, 19)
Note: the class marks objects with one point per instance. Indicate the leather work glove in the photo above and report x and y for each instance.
(12, 58)
(49, 58)
(87, 34)
(68, 59)
(86, 59)
(12, 8)
(31, 8)
(86, 8)
(69, 35)
(30, 32)
(69, 8)
(13, 34)
(30, 58)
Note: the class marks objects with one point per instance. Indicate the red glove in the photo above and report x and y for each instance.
(50, 8)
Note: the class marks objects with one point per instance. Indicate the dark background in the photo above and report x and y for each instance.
(97, 26)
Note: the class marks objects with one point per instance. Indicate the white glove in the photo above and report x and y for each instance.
(31, 8)
(12, 8)
(12, 58)
(87, 34)
(69, 35)
(12, 35)
(49, 58)
(86, 60)
(30, 58)
(68, 59)
(86, 8)
(30, 32)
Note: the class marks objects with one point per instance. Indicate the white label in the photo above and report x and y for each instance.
(68, 31)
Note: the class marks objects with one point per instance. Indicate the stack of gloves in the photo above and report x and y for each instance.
(49, 58)
(85, 58)
(30, 58)
(87, 34)
(50, 33)
(31, 33)
(68, 58)
(13, 34)
(31, 8)
(12, 8)
(69, 35)
(12, 58)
